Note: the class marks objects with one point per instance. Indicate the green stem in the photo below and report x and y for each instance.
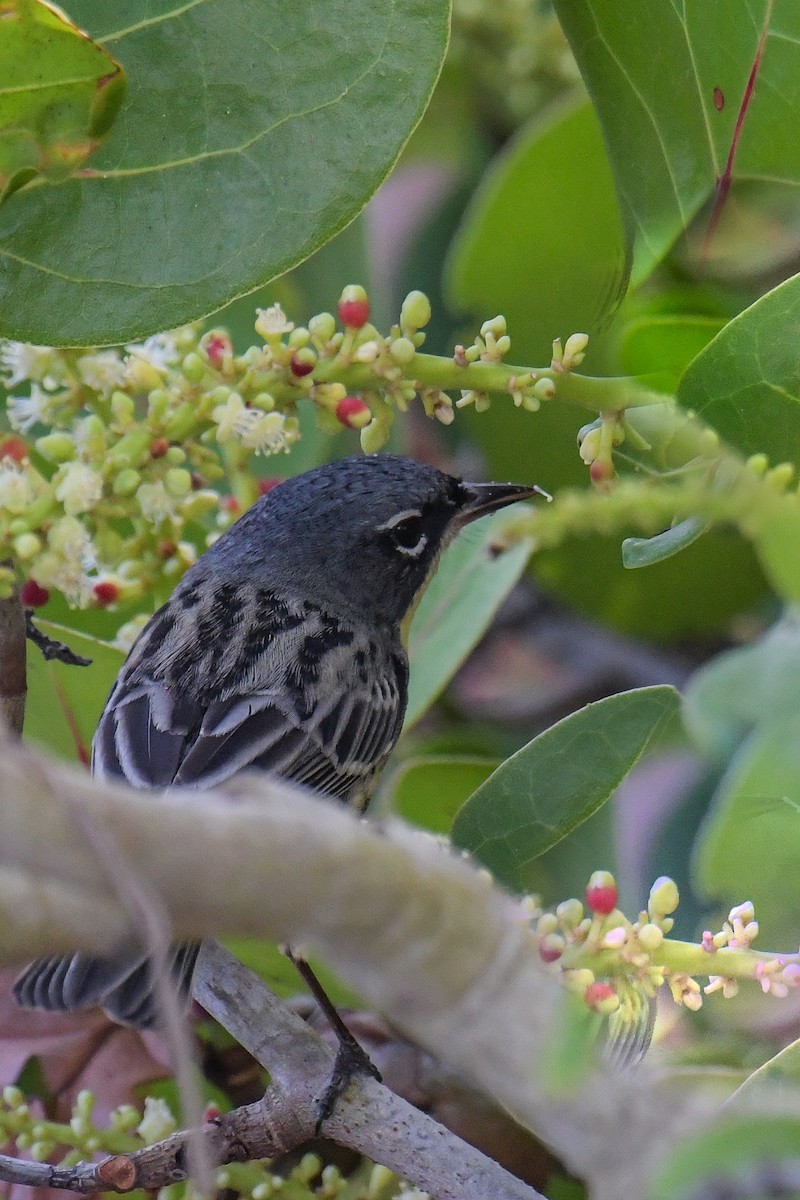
(431, 370)
(682, 958)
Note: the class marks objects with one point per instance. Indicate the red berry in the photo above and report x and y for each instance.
(353, 307)
(166, 549)
(159, 447)
(13, 447)
(230, 504)
(353, 412)
(601, 893)
(106, 593)
(596, 993)
(217, 347)
(197, 481)
(213, 1113)
(551, 947)
(33, 596)
(266, 485)
(302, 365)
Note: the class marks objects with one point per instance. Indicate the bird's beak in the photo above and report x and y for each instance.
(483, 498)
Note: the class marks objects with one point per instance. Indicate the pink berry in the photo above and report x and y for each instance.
(159, 447)
(266, 485)
(217, 347)
(302, 364)
(353, 412)
(33, 596)
(353, 307)
(601, 893)
(597, 993)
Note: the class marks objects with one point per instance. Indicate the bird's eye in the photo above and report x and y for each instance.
(406, 533)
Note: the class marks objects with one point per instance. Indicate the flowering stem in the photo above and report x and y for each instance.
(689, 958)
(431, 370)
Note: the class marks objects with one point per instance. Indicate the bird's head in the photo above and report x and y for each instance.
(361, 534)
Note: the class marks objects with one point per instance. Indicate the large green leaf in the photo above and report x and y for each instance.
(670, 87)
(455, 611)
(59, 93)
(536, 797)
(542, 241)
(253, 132)
(750, 846)
(746, 383)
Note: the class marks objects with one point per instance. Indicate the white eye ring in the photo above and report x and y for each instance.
(410, 514)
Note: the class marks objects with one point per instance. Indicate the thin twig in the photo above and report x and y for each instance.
(50, 647)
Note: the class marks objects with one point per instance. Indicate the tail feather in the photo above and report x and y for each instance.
(122, 985)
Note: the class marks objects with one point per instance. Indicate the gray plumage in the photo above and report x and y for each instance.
(280, 650)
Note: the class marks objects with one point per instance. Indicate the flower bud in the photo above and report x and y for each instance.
(57, 447)
(601, 998)
(353, 412)
(650, 937)
(663, 897)
(353, 307)
(126, 482)
(416, 311)
(601, 893)
(570, 913)
(544, 389)
(402, 350)
(178, 482)
(27, 545)
(322, 327)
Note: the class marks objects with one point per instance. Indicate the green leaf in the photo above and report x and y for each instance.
(542, 240)
(670, 120)
(783, 1068)
(253, 133)
(750, 846)
(643, 552)
(553, 784)
(744, 688)
(59, 95)
(746, 383)
(429, 791)
(661, 347)
(469, 585)
(705, 1163)
(64, 703)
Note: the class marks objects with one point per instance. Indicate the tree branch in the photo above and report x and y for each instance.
(12, 664)
(418, 932)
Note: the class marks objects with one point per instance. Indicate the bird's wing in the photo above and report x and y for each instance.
(331, 730)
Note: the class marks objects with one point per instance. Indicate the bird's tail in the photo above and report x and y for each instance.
(122, 985)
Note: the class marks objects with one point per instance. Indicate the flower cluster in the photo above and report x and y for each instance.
(129, 1131)
(120, 466)
(615, 963)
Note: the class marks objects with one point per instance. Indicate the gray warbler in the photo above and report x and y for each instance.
(280, 650)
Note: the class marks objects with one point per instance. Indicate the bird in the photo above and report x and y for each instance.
(280, 650)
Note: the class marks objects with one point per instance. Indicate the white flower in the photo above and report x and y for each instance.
(16, 487)
(69, 561)
(26, 411)
(157, 1122)
(272, 322)
(232, 418)
(267, 433)
(103, 372)
(79, 488)
(155, 502)
(160, 350)
(20, 361)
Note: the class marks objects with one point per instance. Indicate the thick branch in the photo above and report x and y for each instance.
(416, 931)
